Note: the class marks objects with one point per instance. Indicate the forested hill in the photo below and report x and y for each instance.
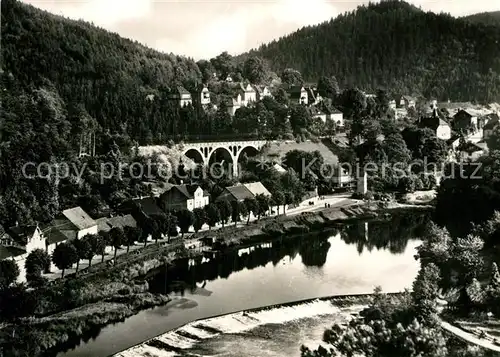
(106, 74)
(394, 45)
(487, 18)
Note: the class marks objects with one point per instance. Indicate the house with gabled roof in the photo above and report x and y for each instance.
(105, 224)
(298, 94)
(18, 242)
(257, 188)
(466, 121)
(182, 96)
(262, 92)
(406, 101)
(184, 197)
(235, 193)
(440, 127)
(200, 96)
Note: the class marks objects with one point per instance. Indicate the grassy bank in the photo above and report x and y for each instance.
(72, 308)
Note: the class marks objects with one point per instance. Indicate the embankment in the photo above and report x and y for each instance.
(72, 308)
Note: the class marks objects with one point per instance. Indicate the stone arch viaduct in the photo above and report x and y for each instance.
(203, 152)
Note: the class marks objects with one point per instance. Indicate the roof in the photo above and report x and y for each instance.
(239, 192)
(10, 252)
(79, 218)
(408, 98)
(473, 147)
(182, 90)
(279, 168)
(492, 122)
(59, 230)
(470, 112)
(105, 224)
(21, 234)
(433, 122)
(187, 190)
(257, 188)
(149, 206)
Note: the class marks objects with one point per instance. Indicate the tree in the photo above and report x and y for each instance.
(9, 271)
(83, 248)
(289, 199)
(328, 87)
(353, 103)
(493, 140)
(251, 206)
(117, 238)
(292, 77)
(238, 209)
(213, 215)
(224, 207)
(262, 204)
(101, 242)
(132, 234)
(88, 250)
(255, 69)
(185, 219)
(426, 290)
(299, 118)
(279, 199)
(64, 256)
(199, 218)
(38, 261)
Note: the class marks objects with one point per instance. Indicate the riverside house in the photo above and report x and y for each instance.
(18, 243)
(184, 197)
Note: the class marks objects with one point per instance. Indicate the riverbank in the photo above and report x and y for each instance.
(338, 309)
(113, 292)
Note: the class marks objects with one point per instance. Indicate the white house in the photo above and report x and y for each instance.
(19, 243)
(82, 222)
(249, 94)
(184, 197)
(337, 116)
(298, 94)
(262, 92)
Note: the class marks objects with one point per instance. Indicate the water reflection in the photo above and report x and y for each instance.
(391, 233)
(285, 270)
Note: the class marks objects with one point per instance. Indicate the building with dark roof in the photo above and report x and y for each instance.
(440, 127)
(106, 224)
(298, 94)
(235, 193)
(184, 197)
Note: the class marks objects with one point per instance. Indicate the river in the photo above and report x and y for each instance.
(352, 259)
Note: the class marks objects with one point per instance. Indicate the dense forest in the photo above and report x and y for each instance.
(396, 46)
(487, 18)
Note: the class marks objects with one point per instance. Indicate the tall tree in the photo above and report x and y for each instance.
(224, 207)
(185, 219)
(64, 256)
(9, 271)
(37, 261)
(200, 218)
(88, 250)
(213, 215)
(117, 238)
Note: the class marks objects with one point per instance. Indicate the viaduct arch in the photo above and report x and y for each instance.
(231, 151)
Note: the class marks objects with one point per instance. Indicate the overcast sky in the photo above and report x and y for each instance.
(205, 28)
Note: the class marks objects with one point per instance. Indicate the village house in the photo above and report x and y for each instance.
(313, 97)
(490, 126)
(437, 125)
(392, 104)
(184, 197)
(320, 115)
(181, 96)
(201, 96)
(405, 101)
(472, 151)
(336, 116)
(343, 179)
(298, 94)
(257, 188)
(235, 193)
(466, 121)
(105, 224)
(18, 243)
(262, 92)
(233, 104)
(249, 94)
(140, 207)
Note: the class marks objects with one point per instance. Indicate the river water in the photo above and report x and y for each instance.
(352, 259)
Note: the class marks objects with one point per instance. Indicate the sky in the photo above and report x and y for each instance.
(205, 28)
